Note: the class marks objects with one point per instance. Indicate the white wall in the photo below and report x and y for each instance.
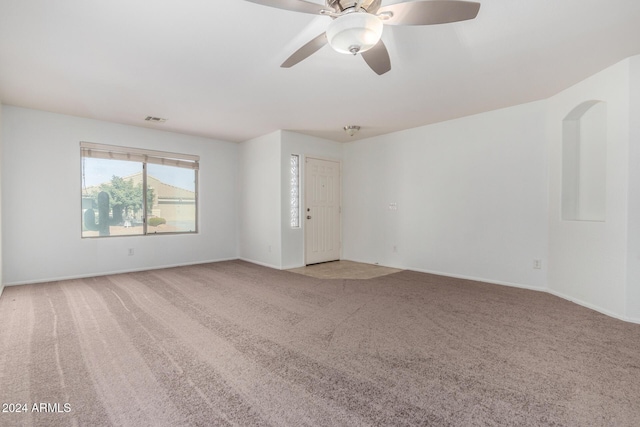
(592, 187)
(465, 198)
(584, 157)
(266, 236)
(41, 200)
(1, 180)
(587, 258)
(304, 146)
(260, 200)
(478, 197)
(633, 230)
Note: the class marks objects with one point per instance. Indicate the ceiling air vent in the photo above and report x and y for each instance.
(155, 119)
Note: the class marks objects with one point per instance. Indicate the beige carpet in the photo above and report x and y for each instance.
(238, 344)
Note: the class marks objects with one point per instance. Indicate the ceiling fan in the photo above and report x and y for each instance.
(356, 25)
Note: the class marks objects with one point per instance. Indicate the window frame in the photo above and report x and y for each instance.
(144, 157)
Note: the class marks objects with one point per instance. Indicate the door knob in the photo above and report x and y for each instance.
(308, 216)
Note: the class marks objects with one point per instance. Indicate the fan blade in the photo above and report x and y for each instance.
(294, 5)
(378, 58)
(305, 51)
(430, 12)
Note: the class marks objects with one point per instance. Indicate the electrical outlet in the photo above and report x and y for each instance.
(131, 252)
(537, 264)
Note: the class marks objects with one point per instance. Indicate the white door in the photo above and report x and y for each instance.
(322, 211)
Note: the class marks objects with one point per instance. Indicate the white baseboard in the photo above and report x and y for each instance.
(439, 273)
(458, 276)
(483, 280)
(264, 264)
(593, 307)
(517, 285)
(106, 273)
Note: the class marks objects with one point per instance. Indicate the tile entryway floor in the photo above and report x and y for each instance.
(344, 270)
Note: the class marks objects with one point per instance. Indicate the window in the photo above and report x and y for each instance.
(295, 191)
(129, 191)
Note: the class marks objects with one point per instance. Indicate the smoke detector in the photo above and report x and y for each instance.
(351, 129)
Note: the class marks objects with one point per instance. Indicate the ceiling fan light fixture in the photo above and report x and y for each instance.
(354, 32)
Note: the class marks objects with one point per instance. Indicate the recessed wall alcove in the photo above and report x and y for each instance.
(584, 162)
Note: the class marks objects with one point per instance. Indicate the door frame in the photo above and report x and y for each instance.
(303, 200)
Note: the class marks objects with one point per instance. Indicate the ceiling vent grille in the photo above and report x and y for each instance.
(155, 119)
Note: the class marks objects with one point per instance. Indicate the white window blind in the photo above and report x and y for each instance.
(102, 151)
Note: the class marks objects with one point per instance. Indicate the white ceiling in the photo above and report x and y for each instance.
(212, 67)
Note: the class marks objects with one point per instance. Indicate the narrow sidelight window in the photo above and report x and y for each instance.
(295, 191)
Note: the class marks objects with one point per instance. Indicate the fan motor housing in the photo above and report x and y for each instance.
(371, 6)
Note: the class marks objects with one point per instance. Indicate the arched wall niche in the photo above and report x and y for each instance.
(584, 162)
